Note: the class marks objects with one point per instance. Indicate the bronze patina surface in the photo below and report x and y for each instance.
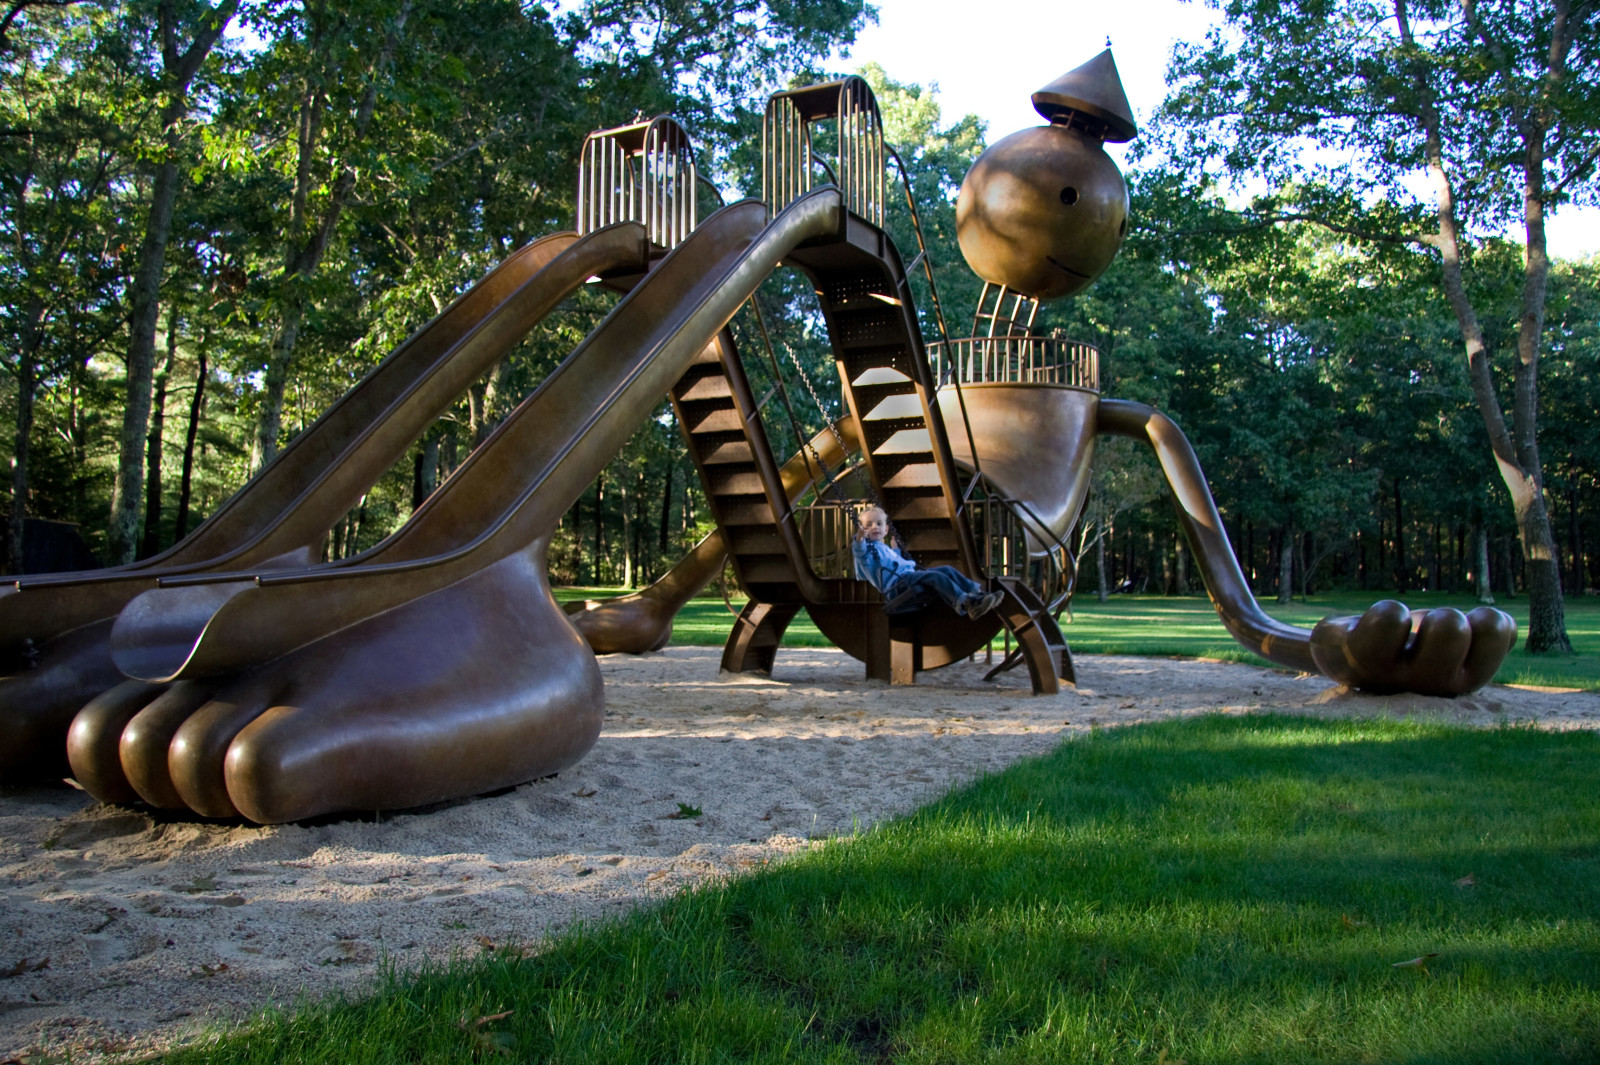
(363, 684)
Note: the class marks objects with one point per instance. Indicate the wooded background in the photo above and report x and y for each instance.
(216, 219)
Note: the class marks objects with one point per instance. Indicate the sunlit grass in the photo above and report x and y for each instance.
(1212, 890)
(1187, 626)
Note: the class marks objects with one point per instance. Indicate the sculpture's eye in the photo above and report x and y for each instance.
(1069, 195)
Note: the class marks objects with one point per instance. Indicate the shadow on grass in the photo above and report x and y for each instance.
(1217, 889)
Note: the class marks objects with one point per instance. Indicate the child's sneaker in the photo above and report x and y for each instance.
(979, 605)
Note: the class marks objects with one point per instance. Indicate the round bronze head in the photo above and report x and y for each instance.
(1042, 211)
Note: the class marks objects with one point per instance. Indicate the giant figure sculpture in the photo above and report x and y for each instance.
(232, 676)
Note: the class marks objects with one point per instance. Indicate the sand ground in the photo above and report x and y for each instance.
(126, 930)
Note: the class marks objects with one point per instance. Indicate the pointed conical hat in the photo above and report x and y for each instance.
(1094, 91)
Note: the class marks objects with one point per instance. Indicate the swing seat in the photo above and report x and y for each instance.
(909, 601)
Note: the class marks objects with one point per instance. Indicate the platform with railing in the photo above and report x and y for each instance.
(1017, 360)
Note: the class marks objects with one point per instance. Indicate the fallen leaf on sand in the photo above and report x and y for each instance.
(23, 967)
(584, 793)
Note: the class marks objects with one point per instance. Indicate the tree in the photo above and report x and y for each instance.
(1491, 102)
(68, 92)
(179, 65)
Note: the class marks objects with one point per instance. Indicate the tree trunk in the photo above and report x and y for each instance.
(123, 534)
(1435, 574)
(1104, 591)
(27, 389)
(1516, 453)
(196, 408)
(306, 244)
(158, 422)
(1401, 571)
(1480, 540)
(425, 472)
(1286, 565)
(666, 509)
(627, 539)
(599, 524)
(1508, 569)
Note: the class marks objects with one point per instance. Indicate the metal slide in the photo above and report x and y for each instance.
(280, 517)
(437, 664)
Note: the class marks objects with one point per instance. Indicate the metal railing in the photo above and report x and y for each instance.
(1017, 360)
(1013, 541)
(789, 160)
(642, 173)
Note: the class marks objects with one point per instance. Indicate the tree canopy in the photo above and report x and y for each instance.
(334, 175)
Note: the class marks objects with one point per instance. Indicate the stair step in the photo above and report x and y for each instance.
(898, 407)
(918, 475)
(920, 542)
(746, 514)
(925, 508)
(711, 386)
(906, 442)
(880, 375)
(754, 540)
(766, 568)
(728, 483)
(727, 453)
(721, 420)
(868, 325)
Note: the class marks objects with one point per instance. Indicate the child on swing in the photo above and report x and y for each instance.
(886, 569)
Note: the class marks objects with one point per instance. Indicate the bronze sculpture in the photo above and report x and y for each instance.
(260, 685)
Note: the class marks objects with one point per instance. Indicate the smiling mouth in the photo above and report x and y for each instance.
(1064, 268)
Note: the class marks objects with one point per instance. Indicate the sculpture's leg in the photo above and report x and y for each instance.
(1387, 649)
(753, 644)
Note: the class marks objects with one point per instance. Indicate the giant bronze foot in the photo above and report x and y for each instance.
(1432, 652)
(478, 686)
(279, 517)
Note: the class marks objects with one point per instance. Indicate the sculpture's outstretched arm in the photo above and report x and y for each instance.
(1387, 649)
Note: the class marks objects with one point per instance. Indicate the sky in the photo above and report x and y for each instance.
(990, 63)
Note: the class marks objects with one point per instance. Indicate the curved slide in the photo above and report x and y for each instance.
(279, 518)
(437, 664)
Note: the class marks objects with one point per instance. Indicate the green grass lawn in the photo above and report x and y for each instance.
(1187, 626)
(1239, 890)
